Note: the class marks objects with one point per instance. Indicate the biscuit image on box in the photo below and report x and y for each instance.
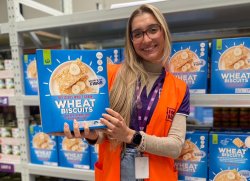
(75, 144)
(190, 152)
(42, 141)
(32, 70)
(237, 142)
(229, 175)
(235, 58)
(185, 61)
(73, 77)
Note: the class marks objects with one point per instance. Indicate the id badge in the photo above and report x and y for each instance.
(141, 167)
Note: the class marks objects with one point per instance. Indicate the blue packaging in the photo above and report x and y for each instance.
(93, 155)
(230, 70)
(43, 147)
(193, 162)
(73, 153)
(30, 74)
(114, 55)
(189, 62)
(72, 85)
(229, 156)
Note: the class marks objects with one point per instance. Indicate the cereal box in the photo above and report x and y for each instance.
(72, 85)
(30, 74)
(189, 62)
(193, 161)
(230, 71)
(73, 153)
(229, 156)
(43, 147)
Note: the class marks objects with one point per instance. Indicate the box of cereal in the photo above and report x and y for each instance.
(230, 68)
(43, 147)
(72, 85)
(193, 161)
(73, 153)
(30, 74)
(189, 62)
(229, 156)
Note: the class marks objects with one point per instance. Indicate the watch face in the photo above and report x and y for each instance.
(137, 139)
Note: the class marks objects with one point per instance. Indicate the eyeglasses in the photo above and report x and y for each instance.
(153, 31)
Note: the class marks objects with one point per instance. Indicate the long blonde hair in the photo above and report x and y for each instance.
(123, 90)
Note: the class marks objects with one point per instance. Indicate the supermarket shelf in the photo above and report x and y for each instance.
(204, 100)
(6, 74)
(220, 100)
(182, 16)
(61, 172)
(30, 100)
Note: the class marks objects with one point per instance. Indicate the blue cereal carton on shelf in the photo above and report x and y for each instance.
(72, 85)
(30, 74)
(230, 70)
(229, 156)
(94, 149)
(43, 147)
(73, 153)
(193, 161)
(189, 62)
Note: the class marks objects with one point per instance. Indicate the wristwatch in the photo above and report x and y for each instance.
(136, 140)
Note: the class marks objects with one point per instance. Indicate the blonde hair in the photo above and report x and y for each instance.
(122, 93)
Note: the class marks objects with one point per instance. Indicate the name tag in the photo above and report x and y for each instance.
(141, 168)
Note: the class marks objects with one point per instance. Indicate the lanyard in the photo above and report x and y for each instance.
(143, 122)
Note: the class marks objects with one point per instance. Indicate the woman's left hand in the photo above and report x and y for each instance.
(116, 126)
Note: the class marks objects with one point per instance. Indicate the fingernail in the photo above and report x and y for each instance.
(66, 125)
(106, 108)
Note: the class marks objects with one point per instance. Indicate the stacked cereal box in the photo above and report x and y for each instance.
(193, 161)
(229, 156)
(73, 153)
(189, 62)
(43, 147)
(30, 74)
(230, 72)
(72, 85)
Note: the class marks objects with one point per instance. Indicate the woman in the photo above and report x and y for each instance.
(146, 120)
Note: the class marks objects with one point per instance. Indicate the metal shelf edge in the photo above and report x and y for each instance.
(220, 100)
(61, 172)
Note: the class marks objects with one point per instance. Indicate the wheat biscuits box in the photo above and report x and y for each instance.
(73, 153)
(30, 74)
(72, 85)
(193, 161)
(229, 156)
(230, 70)
(189, 62)
(43, 147)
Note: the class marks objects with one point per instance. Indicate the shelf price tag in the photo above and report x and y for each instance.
(4, 101)
(6, 168)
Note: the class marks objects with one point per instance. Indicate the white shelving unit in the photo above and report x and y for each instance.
(188, 20)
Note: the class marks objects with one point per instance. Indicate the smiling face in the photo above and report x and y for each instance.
(150, 48)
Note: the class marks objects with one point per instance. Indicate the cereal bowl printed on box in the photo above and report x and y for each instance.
(32, 70)
(235, 58)
(73, 77)
(185, 61)
(229, 175)
(75, 144)
(42, 141)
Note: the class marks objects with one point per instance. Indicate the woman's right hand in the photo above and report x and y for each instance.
(86, 133)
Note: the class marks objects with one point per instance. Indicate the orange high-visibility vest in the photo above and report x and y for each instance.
(161, 168)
